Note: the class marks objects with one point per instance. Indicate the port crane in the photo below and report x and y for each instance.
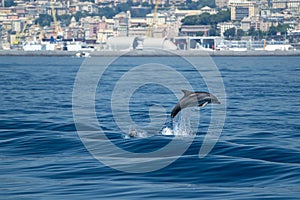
(58, 31)
(154, 19)
(20, 35)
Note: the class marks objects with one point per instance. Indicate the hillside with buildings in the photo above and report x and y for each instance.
(108, 24)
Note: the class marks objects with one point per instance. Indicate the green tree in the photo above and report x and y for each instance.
(145, 4)
(78, 15)
(93, 1)
(256, 34)
(203, 3)
(107, 12)
(251, 31)
(207, 19)
(200, 33)
(204, 19)
(140, 12)
(9, 3)
(214, 31)
(240, 33)
(44, 20)
(222, 16)
(191, 6)
(190, 20)
(273, 30)
(65, 19)
(122, 7)
(230, 33)
(130, 3)
(281, 28)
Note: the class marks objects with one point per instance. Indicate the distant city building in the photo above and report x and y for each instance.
(177, 2)
(252, 22)
(265, 25)
(137, 31)
(88, 7)
(225, 26)
(242, 9)
(180, 14)
(194, 30)
(265, 12)
(160, 18)
(138, 22)
(103, 1)
(221, 3)
(286, 4)
(91, 26)
(279, 4)
(4, 10)
(209, 10)
(246, 23)
(18, 22)
(122, 23)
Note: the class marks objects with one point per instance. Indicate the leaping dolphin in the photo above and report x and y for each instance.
(191, 99)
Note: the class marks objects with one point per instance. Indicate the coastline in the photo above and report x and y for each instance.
(152, 53)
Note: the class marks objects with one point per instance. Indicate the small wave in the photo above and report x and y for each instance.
(181, 126)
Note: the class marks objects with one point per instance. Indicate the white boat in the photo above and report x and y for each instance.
(32, 46)
(279, 47)
(237, 49)
(77, 46)
(261, 45)
(50, 46)
(82, 54)
(74, 46)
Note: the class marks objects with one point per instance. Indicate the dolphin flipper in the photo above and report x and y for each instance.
(203, 105)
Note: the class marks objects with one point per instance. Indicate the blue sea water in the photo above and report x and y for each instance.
(257, 155)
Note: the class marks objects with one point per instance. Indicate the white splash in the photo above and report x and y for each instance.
(135, 133)
(167, 131)
(181, 126)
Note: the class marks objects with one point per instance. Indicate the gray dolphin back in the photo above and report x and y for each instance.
(193, 99)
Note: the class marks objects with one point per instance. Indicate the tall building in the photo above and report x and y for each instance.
(240, 10)
(286, 4)
(221, 3)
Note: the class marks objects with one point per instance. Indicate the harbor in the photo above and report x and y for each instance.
(151, 53)
(149, 46)
(83, 29)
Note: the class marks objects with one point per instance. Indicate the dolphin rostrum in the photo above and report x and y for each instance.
(191, 99)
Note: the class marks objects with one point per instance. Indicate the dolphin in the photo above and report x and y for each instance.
(191, 99)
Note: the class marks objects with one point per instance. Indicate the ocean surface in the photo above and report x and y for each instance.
(51, 148)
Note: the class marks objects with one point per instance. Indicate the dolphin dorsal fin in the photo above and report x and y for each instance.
(186, 92)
